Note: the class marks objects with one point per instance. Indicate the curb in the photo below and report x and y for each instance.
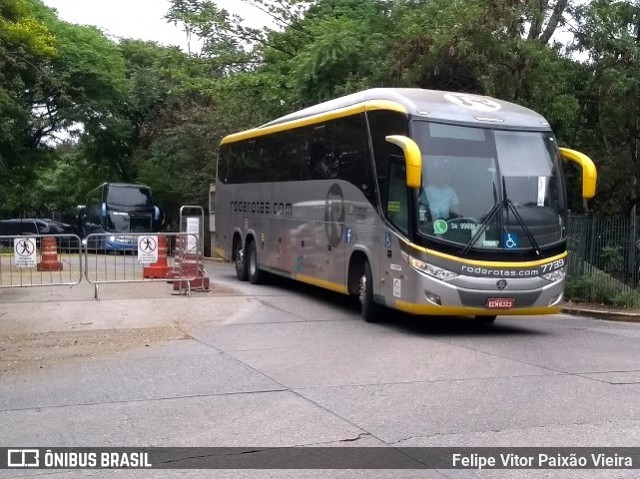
(603, 314)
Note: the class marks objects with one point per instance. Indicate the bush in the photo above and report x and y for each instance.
(592, 289)
(630, 299)
(603, 289)
(612, 259)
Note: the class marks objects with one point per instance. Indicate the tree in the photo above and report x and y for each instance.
(610, 35)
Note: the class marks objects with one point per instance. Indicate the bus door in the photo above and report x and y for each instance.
(328, 208)
(396, 208)
(332, 236)
(318, 241)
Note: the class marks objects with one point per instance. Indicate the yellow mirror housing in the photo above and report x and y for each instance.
(589, 172)
(412, 158)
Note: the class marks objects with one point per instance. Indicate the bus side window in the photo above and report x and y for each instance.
(381, 124)
(396, 205)
(223, 163)
(245, 163)
(323, 162)
(351, 148)
(292, 155)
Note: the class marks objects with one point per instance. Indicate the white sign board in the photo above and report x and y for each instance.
(542, 190)
(193, 228)
(24, 252)
(147, 249)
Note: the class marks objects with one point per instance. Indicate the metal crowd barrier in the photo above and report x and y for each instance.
(40, 260)
(130, 258)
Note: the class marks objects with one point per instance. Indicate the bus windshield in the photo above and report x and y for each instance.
(129, 196)
(484, 188)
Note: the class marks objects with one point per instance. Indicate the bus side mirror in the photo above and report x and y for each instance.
(589, 172)
(412, 158)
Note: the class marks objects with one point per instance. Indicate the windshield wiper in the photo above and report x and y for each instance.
(524, 226)
(497, 208)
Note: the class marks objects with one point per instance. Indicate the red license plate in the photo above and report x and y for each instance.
(500, 303)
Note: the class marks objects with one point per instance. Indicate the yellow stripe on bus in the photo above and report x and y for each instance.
(488, 264)
(428, 309)
(321, 117)
(339, 288)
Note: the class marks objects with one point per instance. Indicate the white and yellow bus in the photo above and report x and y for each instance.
(428, 202)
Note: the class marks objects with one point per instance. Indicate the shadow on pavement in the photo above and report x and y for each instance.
(402, 322)
(459, 326)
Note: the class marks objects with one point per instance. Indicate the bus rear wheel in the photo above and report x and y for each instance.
(255, 275)
(370, 310)
(485, 319)
(241, 264)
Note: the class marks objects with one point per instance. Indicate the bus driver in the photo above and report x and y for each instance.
(439, 197)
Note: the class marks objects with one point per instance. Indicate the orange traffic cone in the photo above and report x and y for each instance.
(49, 260)
(159, 269)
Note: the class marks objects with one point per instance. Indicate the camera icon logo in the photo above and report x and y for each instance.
(23, 458)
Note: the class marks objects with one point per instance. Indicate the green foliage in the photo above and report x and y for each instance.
(137, 111)
(601, 288)
(596, 288)
(21, 29)
(630, 299)
(591, 289)
(25, 45)
(610, 34)
(612, 258)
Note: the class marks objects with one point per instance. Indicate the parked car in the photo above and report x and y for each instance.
(36, 226)
(49, 226)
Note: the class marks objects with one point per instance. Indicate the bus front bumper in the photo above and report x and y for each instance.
(439, 298)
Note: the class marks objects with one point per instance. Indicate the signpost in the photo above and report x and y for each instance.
(147, 249)
(25, 252)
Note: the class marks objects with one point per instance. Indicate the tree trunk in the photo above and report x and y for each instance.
(538, 19)
(556, 16)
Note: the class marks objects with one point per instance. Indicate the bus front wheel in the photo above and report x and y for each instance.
(241, 264)
(485, 319)
(371, 311)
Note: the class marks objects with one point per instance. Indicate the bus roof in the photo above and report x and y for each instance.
(120, 185)
(464, 108)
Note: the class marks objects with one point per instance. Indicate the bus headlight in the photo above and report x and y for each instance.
(431, 270)
(556, 275)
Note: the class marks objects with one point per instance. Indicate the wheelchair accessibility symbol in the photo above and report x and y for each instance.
(510, 240)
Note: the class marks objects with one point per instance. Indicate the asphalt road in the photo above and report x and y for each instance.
(287, 364)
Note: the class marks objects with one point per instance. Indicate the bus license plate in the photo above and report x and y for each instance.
(500, 303)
